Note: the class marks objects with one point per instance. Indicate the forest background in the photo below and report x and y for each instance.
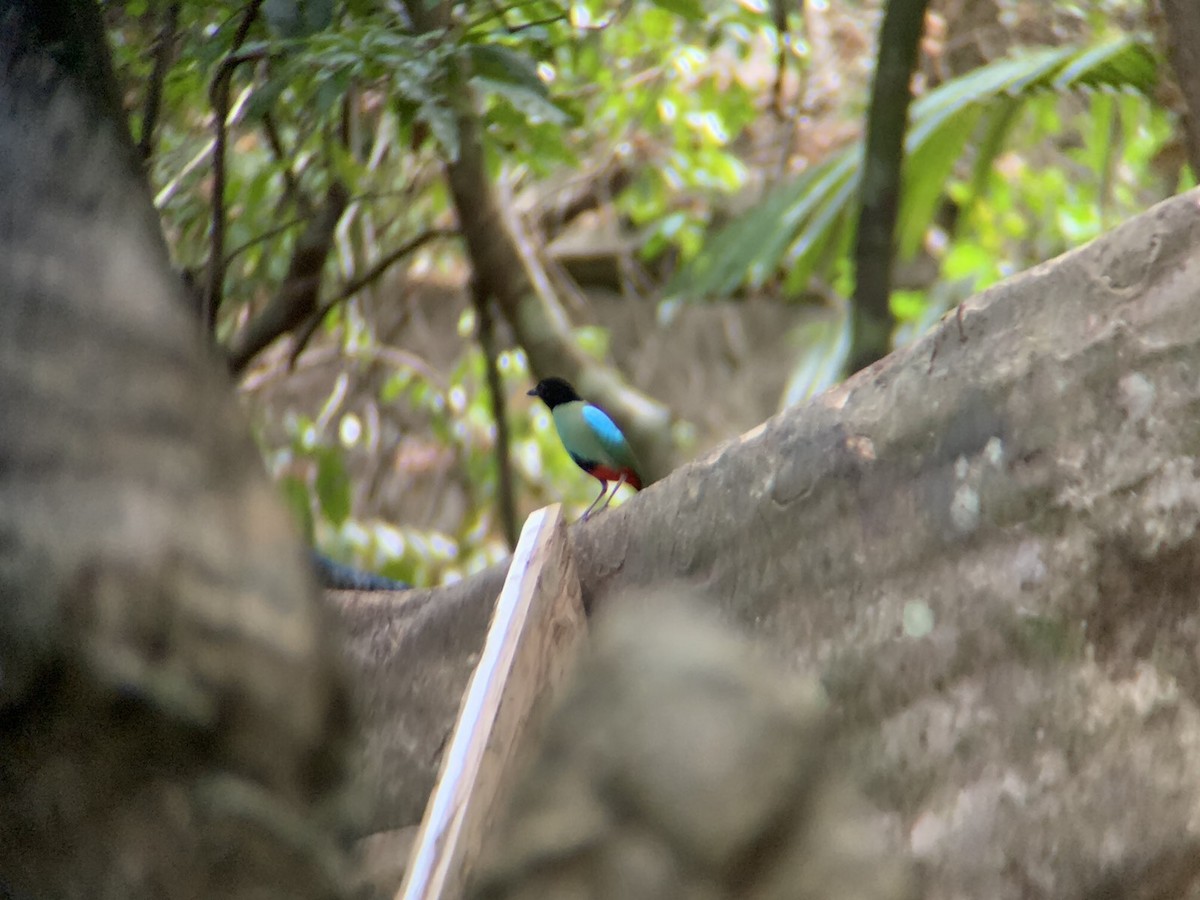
(392, 227)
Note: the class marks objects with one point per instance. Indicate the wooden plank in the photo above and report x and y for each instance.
(536, 631)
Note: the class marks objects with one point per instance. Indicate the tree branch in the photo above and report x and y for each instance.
(164, 51)
(779, 16)
(887, 121)
(291, 184)
(506, 504)
(297, 296)
(373, 274)
(508, 270)
(584, 195)
(219, 97)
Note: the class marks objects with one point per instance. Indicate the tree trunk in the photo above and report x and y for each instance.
(887, 123)
(1182, 35)
(174, 722)
(508, 269)
(986, 548)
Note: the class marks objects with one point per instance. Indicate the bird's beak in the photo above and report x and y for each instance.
(531, 393)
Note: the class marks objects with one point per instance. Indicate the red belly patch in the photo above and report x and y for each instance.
(605, 473)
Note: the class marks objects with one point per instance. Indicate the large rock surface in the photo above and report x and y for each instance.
(986, 548)
(680, 764)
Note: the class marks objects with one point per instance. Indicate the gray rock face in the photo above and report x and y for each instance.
(986, 548)
(679, 764)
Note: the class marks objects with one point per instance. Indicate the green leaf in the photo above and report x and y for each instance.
(823, 228)
(998, 123)
(331, 91)
(298, 18)
(797, 222)
(693, 10)
(1123, 63)
(533, 105)
(750, 248)
(500, 65)
(265, 97)
(444, 125)
(1006, 76)
(513, 76)
(908, 306)
(333, 486)
(295, 495)
(926, 171)
(824, 343)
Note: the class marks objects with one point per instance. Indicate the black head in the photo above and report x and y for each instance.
(554, 391)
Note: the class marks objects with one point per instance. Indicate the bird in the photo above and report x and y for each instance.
(591, 438)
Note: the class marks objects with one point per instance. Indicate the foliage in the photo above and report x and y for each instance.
(805, 227)
(313, 469)
(351, 91)
(798, 222)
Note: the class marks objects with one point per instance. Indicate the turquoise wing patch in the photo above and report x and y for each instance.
(609, 435)
(603, 427)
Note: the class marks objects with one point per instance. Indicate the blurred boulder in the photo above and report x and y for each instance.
(681, 765)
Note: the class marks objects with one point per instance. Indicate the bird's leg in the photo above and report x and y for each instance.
(603, 490)
(613, 493)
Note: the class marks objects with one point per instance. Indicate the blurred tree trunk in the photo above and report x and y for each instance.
(174, 718)
(887, 123)
(1182, 36)
(507, 268)
(986, 547)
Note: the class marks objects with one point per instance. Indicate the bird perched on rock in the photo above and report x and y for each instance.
(591, 438)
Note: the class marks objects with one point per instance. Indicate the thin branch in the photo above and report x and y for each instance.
(517, 29)
(395, 357)
(402, 359)
(164, 51)
(219, 96)
(495, 11)
(781, 60)
(216, 250)
(291, 183)
(345, 128)
(296, 299)
(373, 274)
(376, 271)
(779, 11)
(168, 191)
(247, 20)
(265, 236)
(586, 194)
(506, 503)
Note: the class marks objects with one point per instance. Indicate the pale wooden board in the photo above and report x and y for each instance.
(536, 631)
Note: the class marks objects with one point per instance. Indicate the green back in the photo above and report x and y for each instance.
(589, 434)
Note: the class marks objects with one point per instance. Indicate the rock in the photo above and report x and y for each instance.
(680, 764)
